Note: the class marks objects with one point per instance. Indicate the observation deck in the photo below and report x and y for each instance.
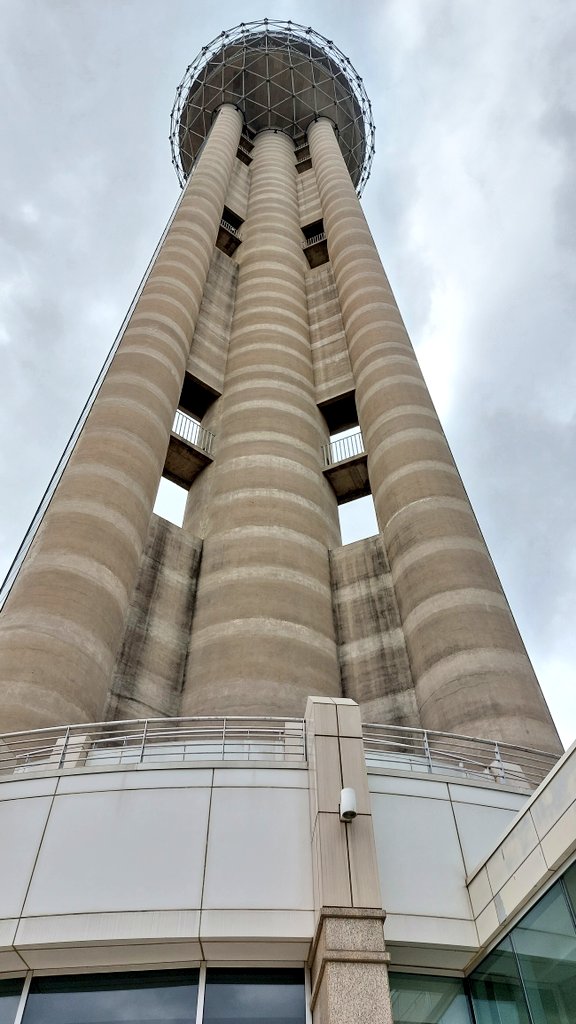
(281, 76)
(179, 840)
(195, 741)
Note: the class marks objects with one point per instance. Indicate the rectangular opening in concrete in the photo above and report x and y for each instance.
(170, 502)
(358, 519)
(315, 245)
(340, 412)
(229, 237)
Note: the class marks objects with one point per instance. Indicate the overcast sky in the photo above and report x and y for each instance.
(472, 203)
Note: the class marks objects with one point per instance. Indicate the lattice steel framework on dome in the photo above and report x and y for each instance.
(280, 75)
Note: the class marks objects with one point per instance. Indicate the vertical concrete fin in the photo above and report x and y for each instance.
(371, 646)
(150, 667)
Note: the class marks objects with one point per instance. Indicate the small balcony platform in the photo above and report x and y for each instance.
(346, 467)
(189, 451)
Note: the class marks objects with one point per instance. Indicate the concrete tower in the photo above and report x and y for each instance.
(266, 324)
(181, 708)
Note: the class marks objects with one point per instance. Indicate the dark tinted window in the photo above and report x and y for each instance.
(251, 996)
(144, 997)
(420, 999)
(9, 999)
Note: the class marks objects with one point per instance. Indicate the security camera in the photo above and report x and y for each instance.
(347, 804)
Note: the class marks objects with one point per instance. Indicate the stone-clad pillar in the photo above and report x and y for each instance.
(62, 624)
(263, 632)
(348, 959)
(471, 671)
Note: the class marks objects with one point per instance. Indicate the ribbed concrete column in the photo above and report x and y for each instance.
(263, 634)
(471, 670)
(63, 622)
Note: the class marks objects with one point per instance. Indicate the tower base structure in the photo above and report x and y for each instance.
(191, 862)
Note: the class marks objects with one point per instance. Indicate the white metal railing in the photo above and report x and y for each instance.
(229, 227)
(153, 741)
(420, 750)
(241, 738)
(343, 448)
(315, 239)
(193, 432)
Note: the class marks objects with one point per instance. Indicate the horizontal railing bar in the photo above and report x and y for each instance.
(471, 755)
(315, 238)
(343, 448)
(132, 741)
(457, 736)
(228, 226)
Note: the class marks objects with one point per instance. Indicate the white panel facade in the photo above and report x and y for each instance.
(118, 851)
(259, 850)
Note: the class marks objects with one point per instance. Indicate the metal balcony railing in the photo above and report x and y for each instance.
(192, 432)
(442, 753)
(229, 227)
(343, 448)
(314, 240)
(153, 741)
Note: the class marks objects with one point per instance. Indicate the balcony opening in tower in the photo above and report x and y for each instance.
(315, 245)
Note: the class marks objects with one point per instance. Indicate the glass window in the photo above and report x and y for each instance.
(420, 999)
(545, 943)
(10, 992)
(252, 995)
(132, 998)
(496, 989)
(570, 882)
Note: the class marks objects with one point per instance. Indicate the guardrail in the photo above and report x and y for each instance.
(315, 238)
(227, 225)
(153, 741)
(343, 448)
(191, 431)
(442, 753)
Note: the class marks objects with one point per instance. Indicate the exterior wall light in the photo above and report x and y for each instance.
(347, 804)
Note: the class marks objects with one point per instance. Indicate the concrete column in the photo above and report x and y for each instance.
(263, 633)
(348, 959)
(471, 671)
(62, 624)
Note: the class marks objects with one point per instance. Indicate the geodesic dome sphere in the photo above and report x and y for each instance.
(280, 75)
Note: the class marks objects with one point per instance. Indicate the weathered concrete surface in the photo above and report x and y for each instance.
(209, 348)
(184, 461)
(151, 665)
(308, 198)
(471, 671)
(263, 631)
(371, 646)
(349, 478)
(198, 504)
(332, 370)
(239, 189)
(62, 624)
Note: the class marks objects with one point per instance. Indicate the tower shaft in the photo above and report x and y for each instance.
(470, 668)
(62, 624)
(263, 632)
